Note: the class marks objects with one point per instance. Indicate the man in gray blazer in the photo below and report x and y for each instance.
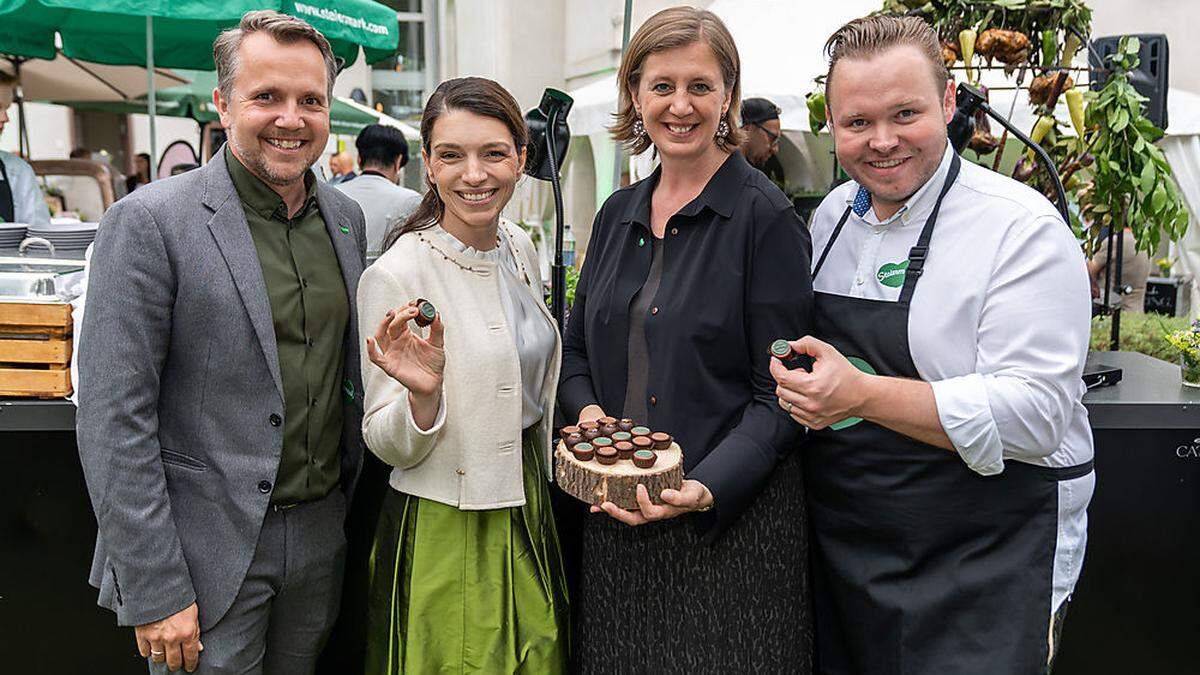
(219, 419)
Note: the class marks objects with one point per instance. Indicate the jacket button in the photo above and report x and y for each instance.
(674, 230)
(276, 420)
(460, 472)
(654, 310)
(264, 486)
(653, 400)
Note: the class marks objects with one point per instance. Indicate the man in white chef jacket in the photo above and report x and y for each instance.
(949, 463)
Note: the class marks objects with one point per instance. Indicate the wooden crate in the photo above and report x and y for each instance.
(35, 350)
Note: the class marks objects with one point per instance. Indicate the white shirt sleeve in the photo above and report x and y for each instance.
(29, 206)
(1032, 340)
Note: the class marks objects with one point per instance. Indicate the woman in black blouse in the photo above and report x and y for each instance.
(690, 275)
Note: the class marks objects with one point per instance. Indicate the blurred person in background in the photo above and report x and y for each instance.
(341, 165)
(760, 122)
(20, 198)
(141, 172)
(382, 153)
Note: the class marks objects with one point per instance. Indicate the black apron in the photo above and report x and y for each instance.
(8, 210)
(920, 564)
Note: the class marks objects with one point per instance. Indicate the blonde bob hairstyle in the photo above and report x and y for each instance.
(668, 29)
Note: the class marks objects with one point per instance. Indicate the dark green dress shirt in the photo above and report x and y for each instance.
(310, 311)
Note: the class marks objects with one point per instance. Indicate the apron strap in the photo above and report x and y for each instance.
(918, 253)
(8, 209)
(832, 238)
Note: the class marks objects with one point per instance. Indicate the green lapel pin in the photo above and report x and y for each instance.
(344, 229)
(348, 387)
(641, 241)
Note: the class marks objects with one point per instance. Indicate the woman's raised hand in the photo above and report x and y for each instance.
(413, 361)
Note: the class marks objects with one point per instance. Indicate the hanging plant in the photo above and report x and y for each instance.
(1131, 182)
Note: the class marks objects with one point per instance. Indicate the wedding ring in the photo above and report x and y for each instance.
(154, 653)
(789, 406)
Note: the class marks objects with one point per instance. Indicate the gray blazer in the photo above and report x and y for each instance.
(179, 382)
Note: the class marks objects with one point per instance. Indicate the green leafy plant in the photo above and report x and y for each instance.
(1187, 343)
(1131, 183)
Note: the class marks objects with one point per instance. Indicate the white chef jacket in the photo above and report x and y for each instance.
(28, 205)
(998, 325)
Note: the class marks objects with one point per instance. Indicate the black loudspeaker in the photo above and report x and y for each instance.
(1150, 79)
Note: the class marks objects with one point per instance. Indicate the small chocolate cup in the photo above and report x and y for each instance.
(624, 449)
(626, 424)
(644, 459)
(642, 443)
(606, 455)
(590, 424)
(602, 442)
(661, 440)
(583, 452)
(426, 312)
(640, 431)
(607, 420)
(568, 430)
(621, 436)
(573, 440)
(781, 350)
(609, 429)
(592, 434)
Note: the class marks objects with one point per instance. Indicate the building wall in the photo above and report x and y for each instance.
(1174, 18)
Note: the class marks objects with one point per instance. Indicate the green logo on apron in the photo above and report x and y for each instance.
(866, 368)
(892, 274)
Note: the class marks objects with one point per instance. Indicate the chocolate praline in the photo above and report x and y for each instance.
(624, 449)
(781, 350)
(602, 442)
(590, 424)
(568, 430)
(592, 434)
(626, 424)
(426, 312)
(644, 459)
(609, 429)
(583, 452)
(640, 431)
(642, 443)
(573, 440)
(662, 440)
(607, 455)
(622, 436)
(607, 420)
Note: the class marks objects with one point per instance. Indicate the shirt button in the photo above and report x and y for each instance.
(264, 486)
(276, 420)
(858, 281)
(309, 342)
(313, 403)
(653, 400)
(304, 283)
(654, 310)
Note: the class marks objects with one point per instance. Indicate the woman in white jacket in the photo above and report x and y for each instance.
(466, 571)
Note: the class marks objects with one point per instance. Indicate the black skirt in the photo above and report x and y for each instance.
(654, 599)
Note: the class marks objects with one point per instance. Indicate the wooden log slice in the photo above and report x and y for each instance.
(594, 483)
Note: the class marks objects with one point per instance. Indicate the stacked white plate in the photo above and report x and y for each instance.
(68, 238)
(11, 234)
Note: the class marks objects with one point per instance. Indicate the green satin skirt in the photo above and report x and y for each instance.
(468, 591)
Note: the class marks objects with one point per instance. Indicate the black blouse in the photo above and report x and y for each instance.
(735, 278)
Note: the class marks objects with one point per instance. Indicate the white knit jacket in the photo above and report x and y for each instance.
(471, 459)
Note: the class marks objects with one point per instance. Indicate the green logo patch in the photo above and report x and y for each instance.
(866, 368)
(892, 274)
(344, 229)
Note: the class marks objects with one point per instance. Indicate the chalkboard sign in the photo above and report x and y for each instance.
(1167, 295)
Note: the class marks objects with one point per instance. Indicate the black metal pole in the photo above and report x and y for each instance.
(1045, 159)
(558, 272)
(1117, 281)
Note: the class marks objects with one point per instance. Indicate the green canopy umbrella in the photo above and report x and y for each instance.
(177, 33)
